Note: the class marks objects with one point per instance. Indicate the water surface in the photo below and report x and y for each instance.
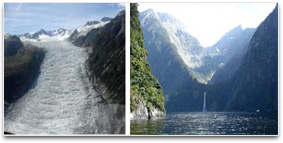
(209, 123)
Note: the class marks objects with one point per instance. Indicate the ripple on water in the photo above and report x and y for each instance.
(209, 123)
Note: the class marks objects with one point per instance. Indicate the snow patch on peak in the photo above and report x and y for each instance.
(217, 50)
(6, 35)
(42, 35)
(120, 13)
(85, 29)
(146, 15)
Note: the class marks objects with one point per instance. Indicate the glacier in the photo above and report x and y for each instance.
(63, 100)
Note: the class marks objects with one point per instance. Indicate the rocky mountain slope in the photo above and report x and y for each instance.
(106, 62)
(83, 35)
(174, 55)
(11, 45)
(105, 42)
(229, 51)
(254, 86)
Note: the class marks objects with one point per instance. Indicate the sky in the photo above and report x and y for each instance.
(208, 22)
(21, 18)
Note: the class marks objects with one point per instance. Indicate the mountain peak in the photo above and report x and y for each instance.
(239, 27)
(147, 15)
(149, 11)
(61, 29)
(122, 12)
(92, 23)
(41, 30)
(104, 19)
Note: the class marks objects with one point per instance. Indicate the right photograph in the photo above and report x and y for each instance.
(204, 68)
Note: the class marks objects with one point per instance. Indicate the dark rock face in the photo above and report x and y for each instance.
(86, 41)
(21, 71)
(11, 45)
(106, 60)
(73, 37)
(255, 85)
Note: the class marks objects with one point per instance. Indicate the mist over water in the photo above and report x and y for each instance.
(62, 101)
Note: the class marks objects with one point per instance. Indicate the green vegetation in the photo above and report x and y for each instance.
(144, 86)
(147, 127)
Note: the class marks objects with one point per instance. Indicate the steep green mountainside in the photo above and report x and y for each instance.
(145, 88)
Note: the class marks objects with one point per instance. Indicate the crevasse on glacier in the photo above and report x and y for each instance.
(63, 100)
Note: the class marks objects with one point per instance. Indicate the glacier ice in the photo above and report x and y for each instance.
(63, 100)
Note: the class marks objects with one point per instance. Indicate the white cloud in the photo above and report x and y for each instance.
(121, 4)
(208, 22)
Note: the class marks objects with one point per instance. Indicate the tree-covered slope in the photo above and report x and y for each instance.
(146, 93)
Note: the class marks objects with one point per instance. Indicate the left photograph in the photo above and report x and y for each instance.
(64, 68)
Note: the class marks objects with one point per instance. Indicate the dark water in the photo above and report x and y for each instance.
(209, 123)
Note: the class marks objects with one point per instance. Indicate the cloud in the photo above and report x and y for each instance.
(121, 5)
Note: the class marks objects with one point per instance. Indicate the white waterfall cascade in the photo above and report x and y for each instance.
(204, 109)
(63, 100)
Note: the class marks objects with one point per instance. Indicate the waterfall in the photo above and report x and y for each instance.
(204, 109)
